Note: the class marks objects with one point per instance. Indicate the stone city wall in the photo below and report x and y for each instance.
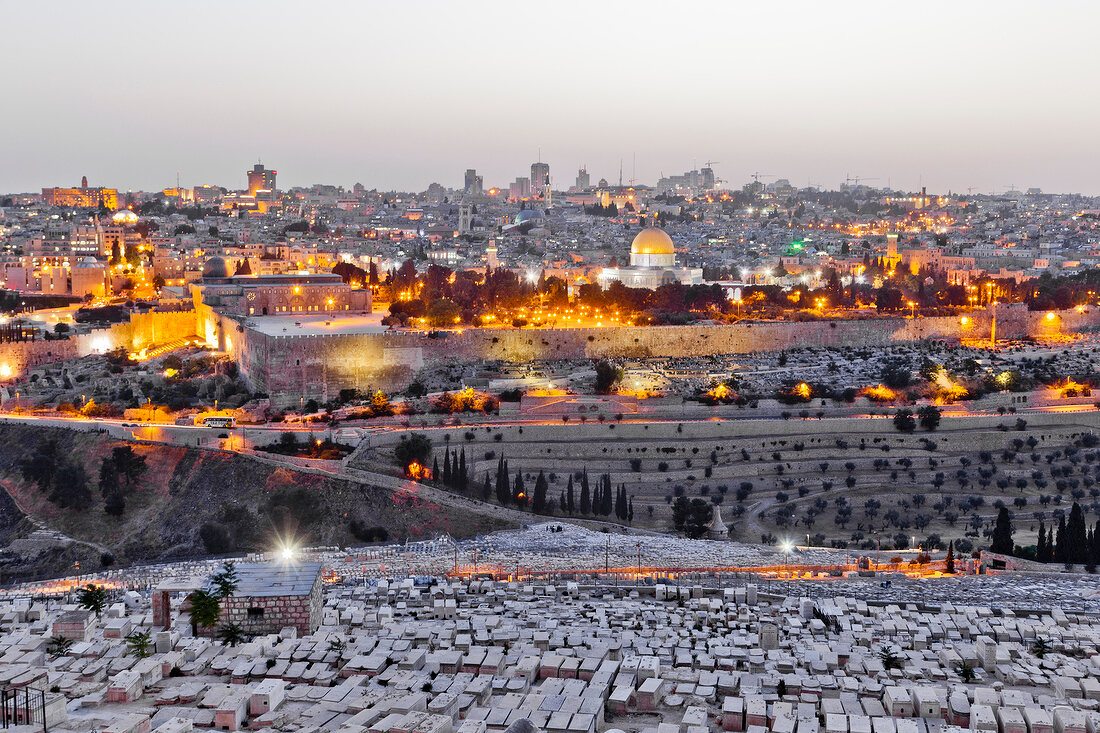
(291, 368)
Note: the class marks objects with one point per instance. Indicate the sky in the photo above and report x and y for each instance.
(397, 95)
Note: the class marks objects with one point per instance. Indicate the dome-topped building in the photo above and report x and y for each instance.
(215, 267)
(652, 263)
(652, 248)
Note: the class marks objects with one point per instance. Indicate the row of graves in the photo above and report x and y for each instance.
(469, 656)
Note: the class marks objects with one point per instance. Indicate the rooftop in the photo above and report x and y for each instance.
(276, 579)
(319, 325)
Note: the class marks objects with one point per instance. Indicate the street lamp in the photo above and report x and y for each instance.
(787, 546)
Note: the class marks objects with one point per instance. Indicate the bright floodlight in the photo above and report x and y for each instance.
(287, 551)
(787, 545)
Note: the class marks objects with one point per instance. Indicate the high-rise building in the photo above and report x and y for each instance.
(707, 178)
(465, 219)
(520, 189)
(261, 179)
(540, 178)
(583, 179)
(474, 183)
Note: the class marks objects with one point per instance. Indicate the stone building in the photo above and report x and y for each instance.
(262, 295)
(652, 264)
(272, 596)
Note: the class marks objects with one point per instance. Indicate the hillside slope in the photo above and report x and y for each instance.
(193, 502)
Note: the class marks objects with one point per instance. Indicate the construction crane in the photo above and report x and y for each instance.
(849, 180)
(757, 175)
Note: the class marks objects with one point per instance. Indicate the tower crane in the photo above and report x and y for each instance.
(849, 180)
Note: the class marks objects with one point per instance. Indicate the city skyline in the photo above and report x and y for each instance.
(948, 98)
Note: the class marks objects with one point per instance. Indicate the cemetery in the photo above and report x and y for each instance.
(402, 642)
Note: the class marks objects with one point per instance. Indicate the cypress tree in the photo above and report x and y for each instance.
(519, 493)
(950, 565)
(1077, 548)
(463, 477)
(608, 502)
(1095, 548)
(447, 468)
(1060, 541)
(1090, 556)
(504, 492)
(1050, 543)
(561, 501)
(1040, 546)
(435, 468)
(538, 502)
(1002, 533)
(630, 510)
(586, 496)
(487, 489)
(568, 504)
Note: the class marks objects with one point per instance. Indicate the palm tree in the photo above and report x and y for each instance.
(140, 644)
(93, 598)
(231, 634)
(965, 672)
(889, 658)
(1040, 648)
(59, 646)
(205, 609)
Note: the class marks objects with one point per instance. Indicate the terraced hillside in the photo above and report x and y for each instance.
(836, 480)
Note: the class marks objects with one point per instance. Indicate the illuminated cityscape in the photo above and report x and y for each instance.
(520, 399)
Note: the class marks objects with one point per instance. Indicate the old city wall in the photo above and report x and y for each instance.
(143, 330)
(292, 368)
(148, 329)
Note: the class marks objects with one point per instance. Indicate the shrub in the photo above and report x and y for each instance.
(416, 447)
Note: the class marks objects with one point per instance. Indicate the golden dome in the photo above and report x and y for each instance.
(652, 241)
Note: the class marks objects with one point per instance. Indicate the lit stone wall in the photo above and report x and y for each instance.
(295, 368)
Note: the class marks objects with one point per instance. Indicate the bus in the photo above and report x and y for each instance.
(219, 421)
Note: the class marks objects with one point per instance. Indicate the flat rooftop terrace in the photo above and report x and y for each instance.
(317, 325)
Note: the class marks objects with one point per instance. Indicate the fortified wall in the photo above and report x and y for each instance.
(142, 331)
(292, 367)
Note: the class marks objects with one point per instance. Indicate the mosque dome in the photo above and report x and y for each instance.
(125, 216)
(528, 215)
(88, 263)
(652, 241)
(215, 267)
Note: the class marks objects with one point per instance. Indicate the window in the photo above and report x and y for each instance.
(255, 612)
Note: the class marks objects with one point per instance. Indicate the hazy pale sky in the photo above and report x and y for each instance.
(400, 94)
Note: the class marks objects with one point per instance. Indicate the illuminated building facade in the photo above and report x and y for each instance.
(652, 264)
(81, 198)
(247, 295)
(261, 179)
